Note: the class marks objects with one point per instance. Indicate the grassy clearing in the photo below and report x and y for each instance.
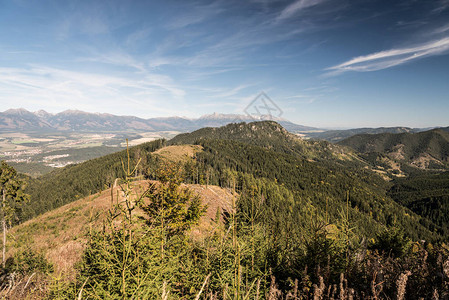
(178, 153)
(60, 233)
(19, 142)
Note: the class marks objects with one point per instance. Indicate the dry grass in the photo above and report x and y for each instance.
(178, 153)
(214, 198)
(60, 234)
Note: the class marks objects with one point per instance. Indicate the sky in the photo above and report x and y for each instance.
(324, 63)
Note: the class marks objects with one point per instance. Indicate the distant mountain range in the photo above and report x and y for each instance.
(79, 121)
(75, 120)
(338, 135)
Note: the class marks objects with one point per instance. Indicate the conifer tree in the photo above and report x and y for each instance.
(171, 206)
(12, 194)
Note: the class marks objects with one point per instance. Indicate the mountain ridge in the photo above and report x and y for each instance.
(339, 135)
(422, 150)
(270, 135)
(77, 120)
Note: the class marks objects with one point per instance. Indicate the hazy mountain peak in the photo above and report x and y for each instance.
(17, 111)
(42, 113)
(219, 116)
(240, 117)
(171, 118)
(73, 112)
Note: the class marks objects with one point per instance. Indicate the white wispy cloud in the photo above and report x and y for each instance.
(441, 6)
(441, 29)
(226, 93)
(116, 58)
(65, 88)
(232, 50)
(199, 14)
(137, 36)
(390, 58)
(296, 7)
(79, 22)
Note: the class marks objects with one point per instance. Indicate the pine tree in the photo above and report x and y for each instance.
(172, 207)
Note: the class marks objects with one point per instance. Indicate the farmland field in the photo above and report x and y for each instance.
(39, 153)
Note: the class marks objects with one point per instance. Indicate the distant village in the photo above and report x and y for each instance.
(26, 156)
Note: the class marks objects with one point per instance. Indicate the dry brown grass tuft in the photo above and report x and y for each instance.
(402, 284)
(33, 286)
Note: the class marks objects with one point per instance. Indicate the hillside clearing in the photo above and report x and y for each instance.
(178, 152)
(60, 234)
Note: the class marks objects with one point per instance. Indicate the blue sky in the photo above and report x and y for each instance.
(325, 63)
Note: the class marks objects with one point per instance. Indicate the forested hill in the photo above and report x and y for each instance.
(424, 150)
(265, 151)
(427, 195)
(265, 133)
(338, 135)
(270, 135)
(317, 174)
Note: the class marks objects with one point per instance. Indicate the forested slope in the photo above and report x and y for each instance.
(317, 173)
(269, 135)
(324, 185)
(427, 195)
(424, 150)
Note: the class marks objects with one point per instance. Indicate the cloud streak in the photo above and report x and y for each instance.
(296, 7)
(198, 15)
(441, 29)
(64, 88)
(390, 58)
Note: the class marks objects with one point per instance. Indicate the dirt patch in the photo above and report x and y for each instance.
(398, 152)
(424, 160)
(382, 174)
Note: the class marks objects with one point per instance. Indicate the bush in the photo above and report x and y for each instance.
(28, 261)
(391, 241)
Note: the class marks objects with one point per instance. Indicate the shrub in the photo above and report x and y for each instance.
(391, 241)
(28, 261)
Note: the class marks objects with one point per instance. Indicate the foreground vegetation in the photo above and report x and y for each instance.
(253, 254)
(306, 225)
